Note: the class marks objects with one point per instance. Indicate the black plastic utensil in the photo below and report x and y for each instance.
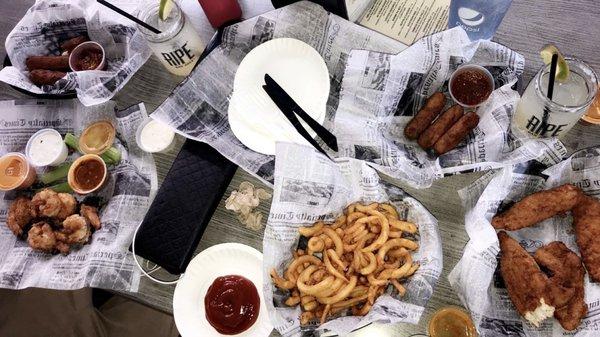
(290, 109)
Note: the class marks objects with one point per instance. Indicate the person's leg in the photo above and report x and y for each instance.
(37, 312)
(125, 317)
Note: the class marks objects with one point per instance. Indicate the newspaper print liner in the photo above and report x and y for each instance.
(105, 262)
(49, 22)
(476, 277)
(310, 187)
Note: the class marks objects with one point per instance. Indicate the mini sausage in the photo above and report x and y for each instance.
(440, 126)
(41, 77)
(456, 133)
(48, 62)
(425, 116)
(70, 44)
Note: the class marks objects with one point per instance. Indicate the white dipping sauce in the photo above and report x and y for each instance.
(46, 147)
(155, 136)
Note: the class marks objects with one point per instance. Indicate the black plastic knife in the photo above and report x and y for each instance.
(290, 109)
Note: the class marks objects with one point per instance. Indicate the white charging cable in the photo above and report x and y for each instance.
(147, 273)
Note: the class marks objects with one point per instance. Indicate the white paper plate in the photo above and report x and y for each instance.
(299, 69)
(219, 260)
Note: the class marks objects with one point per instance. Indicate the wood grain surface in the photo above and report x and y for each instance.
(572, 25)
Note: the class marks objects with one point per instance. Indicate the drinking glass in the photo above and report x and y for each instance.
(539, 116)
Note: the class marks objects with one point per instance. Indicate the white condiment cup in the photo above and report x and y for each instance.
(169, 135)
(58, 158)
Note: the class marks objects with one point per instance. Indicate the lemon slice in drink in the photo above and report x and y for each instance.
(164, 8)
(562, 68)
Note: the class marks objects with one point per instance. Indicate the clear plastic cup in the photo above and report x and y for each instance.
(46, 148)
(15, 172)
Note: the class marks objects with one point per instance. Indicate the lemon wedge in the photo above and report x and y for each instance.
(164, 9)
(562, 68)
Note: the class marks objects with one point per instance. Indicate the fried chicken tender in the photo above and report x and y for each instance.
(47, 203)
(530, 290)
(586, 220)
(538, 207)
(69, 205)
(41, 237)
(90, 213)
(567, 271)
(20, 214)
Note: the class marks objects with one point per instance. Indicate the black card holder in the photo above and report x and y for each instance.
(183, 206)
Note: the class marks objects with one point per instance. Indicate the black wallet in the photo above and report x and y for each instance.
(183, 206)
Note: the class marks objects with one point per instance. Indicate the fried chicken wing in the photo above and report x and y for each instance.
(69, 205)
(20, 214)
(90, 213)
(534, 296)
(41, 237)
(46, 203)
(538, 207)
(586, 220)
(567, 271)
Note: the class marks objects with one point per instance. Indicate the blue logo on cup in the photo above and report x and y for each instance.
(470, 17)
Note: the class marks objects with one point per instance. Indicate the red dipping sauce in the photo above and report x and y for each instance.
(232, 304)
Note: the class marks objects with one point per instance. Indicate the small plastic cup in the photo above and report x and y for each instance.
(154, 137)
(465, 68)
(79, 54)
(15, 172)
(46, 148)
(73, 177)
(451, 321)
(97, 137)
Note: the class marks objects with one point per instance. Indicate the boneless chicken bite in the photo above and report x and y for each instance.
(41, 237)
(20, 214)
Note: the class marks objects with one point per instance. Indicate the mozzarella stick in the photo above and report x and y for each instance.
(425, 116)
(41, 77)
(456, 133)
(440, 126)
(48, 62)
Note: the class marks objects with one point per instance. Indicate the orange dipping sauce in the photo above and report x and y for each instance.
(15, 172)
(451, 322)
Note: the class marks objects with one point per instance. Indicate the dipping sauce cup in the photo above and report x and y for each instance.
(87, 56)
(87, 174)
(46, 148)
(15, 172)
(97, 137)
(153, 136)
(451, 322)
(471, 85)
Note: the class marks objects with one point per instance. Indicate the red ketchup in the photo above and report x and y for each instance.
(232, 304)
(220, 12)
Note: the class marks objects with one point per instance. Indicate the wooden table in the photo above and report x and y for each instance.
(528, 25)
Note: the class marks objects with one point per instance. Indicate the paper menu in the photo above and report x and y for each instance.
(407, 20)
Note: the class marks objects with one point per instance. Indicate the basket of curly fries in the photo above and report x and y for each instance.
(340, 255)
(349, 263)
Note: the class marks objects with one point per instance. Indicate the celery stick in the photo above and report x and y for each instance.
(59, 188)
(58, 173)
(112, 156)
